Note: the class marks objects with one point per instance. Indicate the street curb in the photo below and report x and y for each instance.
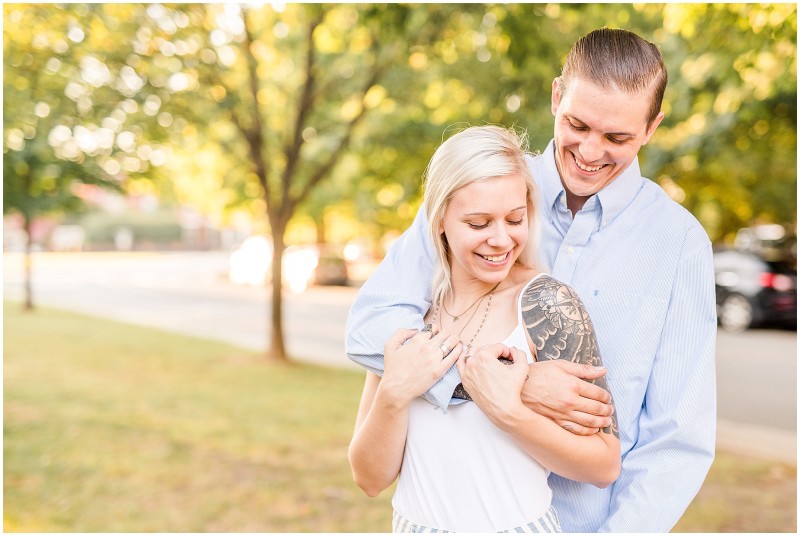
(757, 441)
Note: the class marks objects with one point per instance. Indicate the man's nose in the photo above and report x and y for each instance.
(591, 149)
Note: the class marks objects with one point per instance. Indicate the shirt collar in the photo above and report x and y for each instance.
(612, 199)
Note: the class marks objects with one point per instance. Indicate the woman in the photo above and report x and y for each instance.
(483, 465)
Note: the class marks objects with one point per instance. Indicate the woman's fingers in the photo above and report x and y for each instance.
(400, 337)
(444, 343)
(452, 358)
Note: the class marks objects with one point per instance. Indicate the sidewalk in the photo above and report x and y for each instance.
(757, 441)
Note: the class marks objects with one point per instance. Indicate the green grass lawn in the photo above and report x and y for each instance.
(116, 428)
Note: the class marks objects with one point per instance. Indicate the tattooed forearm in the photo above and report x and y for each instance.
(560, 328)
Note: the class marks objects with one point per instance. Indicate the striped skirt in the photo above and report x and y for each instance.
(547, 523)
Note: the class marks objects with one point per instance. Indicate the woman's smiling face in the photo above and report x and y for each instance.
(598, 133)
(486, 227)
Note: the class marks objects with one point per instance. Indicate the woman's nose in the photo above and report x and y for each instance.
(500, 237)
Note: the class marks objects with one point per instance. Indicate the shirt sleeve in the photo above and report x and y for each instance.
(677, 428)
(397, 295)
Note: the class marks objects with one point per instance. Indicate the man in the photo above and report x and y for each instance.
(641, 264)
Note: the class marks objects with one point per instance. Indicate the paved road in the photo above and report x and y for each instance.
(189, 293)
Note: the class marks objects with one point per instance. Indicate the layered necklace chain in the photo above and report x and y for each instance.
(440, 302)
(459, 315)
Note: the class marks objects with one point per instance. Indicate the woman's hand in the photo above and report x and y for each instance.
(415, 360)
(494, 377)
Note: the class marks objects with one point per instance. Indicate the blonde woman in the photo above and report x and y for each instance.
(482, 465)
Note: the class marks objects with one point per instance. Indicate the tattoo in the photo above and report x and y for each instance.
(560, 328)
(460, 392)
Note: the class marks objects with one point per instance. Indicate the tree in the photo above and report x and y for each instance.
(729, 149)
(65, 113)
(305, 109)
(285, 90)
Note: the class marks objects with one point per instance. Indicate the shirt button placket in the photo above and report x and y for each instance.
(578, 235)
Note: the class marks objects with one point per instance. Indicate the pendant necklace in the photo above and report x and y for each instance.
(459, 315)
(459, 391)
(483, 320)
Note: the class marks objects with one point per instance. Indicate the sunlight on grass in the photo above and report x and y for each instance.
(744, 495)
(117, 428)
(111, 427)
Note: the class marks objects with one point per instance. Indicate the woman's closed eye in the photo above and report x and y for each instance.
(478, 226)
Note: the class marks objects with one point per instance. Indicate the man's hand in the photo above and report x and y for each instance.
(556, 389)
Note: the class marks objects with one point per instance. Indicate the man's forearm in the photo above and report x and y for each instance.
(396, 295)
(373, 363)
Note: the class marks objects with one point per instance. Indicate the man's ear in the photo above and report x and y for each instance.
(652, 127)
(555, 95)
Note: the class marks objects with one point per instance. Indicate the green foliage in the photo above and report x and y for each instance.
(177, 80)
(727, 149)
(74, 112)
(729, 140)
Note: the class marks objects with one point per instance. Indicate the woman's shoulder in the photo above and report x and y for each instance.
(545, 284)
(557, 321)
(531, 284)
(521, 276)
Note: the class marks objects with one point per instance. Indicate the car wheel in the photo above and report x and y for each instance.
(736, 313)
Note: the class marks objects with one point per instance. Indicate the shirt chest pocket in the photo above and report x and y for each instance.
(610, 297)
(626, 314)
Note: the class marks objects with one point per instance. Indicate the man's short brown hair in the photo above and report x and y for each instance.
(615, 58)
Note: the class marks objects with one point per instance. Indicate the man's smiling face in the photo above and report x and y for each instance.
(598, 132)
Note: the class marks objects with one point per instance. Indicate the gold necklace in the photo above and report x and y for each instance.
(483, 320)
(473, 304)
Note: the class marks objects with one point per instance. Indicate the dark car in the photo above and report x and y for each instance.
(753, 291)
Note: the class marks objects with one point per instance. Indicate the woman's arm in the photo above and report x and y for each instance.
(414, 361)
(558, 327)
(376, 450)
(496, 386)
(560, 333)
(594, 459)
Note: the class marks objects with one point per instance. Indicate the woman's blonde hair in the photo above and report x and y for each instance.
(476, 154)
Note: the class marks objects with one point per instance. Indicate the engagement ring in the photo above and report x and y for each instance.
(445, 350)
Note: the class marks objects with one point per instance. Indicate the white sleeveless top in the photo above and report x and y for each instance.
(461, 473)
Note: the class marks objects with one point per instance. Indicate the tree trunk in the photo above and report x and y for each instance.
(277, 349)
(27, 260)
(319, 221)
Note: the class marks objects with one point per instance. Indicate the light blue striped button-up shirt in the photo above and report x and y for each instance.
(642, 265)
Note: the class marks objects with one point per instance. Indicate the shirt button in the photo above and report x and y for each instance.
(570, 250)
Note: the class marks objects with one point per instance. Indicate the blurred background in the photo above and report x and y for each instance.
(210, 184)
